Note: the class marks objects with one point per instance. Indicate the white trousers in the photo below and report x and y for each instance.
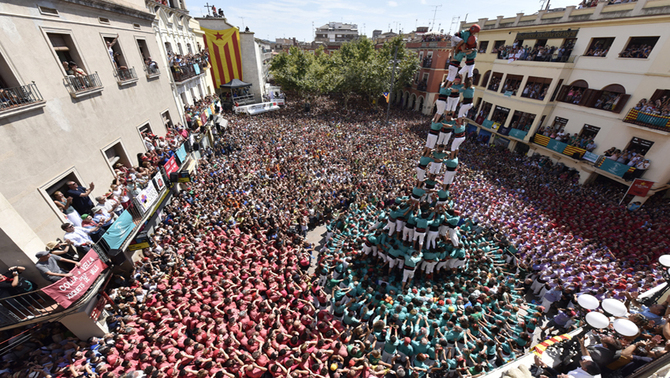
(431, 140)
(407, 234)
(448, 177)
(453, 71)
(464, 109)
(452, 102)
(456, 143)
(435, 168)
(441, 105)
(443, 138)
(432, 236)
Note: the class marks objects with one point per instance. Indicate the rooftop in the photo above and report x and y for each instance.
(602, 10)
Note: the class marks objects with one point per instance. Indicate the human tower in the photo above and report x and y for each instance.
(420, 230)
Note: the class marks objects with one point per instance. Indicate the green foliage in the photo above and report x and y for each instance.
(357, 68)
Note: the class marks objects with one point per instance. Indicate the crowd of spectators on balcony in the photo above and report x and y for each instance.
(225, 291)
(494, 84)
(574, 95)
(636, 51)
(182, 66)
(511, 85)
(659, 107)
(585, 142)
(597, 50)
(537, 53)
(422, 85)
(630, 158)
(536, 91)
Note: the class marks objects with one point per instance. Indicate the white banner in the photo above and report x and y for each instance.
(148, 196)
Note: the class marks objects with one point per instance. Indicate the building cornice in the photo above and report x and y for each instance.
(115, 8)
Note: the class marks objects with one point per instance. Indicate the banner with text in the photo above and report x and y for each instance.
(613, 167)
(69, 289)
(640, 187)
(148, 196)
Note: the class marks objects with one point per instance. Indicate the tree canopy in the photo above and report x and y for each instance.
(357, 68)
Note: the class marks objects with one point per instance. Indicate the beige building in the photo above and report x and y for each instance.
(179, 34)
(582, 72)
(59, 125)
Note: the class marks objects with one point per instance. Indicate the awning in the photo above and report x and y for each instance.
(235, 83)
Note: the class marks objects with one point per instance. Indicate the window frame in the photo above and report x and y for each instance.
(139, 132)
(104, 149)
(118, 44)
(51, 30)
(595, 40)
(44, 189)
(630, 40)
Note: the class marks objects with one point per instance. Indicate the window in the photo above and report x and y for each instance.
(485, 79)
(188, 47)
(599, 47)
(475, 76)
(558, 125)
(512, 83)
(639, 47)
(181, 51)
(611, 98)
(59, 184)
(522, 121)
(484, 112)
(589, 131)
(496, 46)
(116, 153)
(66, 51)
(574, 93)
(136, 26)
(115, 53)
(7, 78)
(494, 84)
(483, 46)
(639, 145)
(103, 20)
(499, 116)
(167, 121)
(47, 11)
(168, 48)
(536, 88)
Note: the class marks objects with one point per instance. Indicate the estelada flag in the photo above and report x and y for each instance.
(224, 54)
(386, 96)
(640, 187)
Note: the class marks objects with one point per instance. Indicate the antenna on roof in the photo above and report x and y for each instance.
(432, 25)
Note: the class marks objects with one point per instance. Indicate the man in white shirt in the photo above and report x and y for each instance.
(78, 236)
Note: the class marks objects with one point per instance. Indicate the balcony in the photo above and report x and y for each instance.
(185, 72)
(427, 63)
(84, 85)
(18, 99)
(126, 76)
(648, 120)
(39, 305)
(152, 71)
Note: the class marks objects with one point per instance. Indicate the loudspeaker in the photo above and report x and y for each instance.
(196, 146)
(117, 256)
(187, 146)
(576, 156)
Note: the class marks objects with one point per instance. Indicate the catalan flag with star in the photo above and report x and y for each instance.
(224, 54)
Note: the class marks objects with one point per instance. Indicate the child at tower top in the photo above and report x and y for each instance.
(466, 47)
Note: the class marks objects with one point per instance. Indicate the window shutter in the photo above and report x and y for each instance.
(622, 102)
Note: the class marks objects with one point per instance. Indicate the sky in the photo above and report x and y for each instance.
(271, 19)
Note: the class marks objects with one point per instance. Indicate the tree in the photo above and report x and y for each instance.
(357, 68)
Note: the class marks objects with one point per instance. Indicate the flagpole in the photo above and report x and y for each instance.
(624, 196)
(388, 101)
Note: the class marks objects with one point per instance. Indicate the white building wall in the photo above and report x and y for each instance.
(69, 135)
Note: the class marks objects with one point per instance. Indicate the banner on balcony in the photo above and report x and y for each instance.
(181, 153)
(68, 290)
(148, 196)
(611, 166)
(487, 123)
(519, 134)
(224, 54)
(171, 166)
(196, 68)
(555, 145)
(119, 231)
(640, 187)
(590, 156)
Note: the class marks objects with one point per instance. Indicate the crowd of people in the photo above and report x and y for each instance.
(584, 141)
(436, 247)
(536, 53)
(641, 51)
(659, 107)
(183, 66)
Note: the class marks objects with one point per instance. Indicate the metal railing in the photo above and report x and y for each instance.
(125, 74)
(650, 120)
(19, 96)
(83, 83)
(183, 73)
(152, 70)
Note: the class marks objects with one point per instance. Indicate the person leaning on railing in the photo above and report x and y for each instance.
(47, 264)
